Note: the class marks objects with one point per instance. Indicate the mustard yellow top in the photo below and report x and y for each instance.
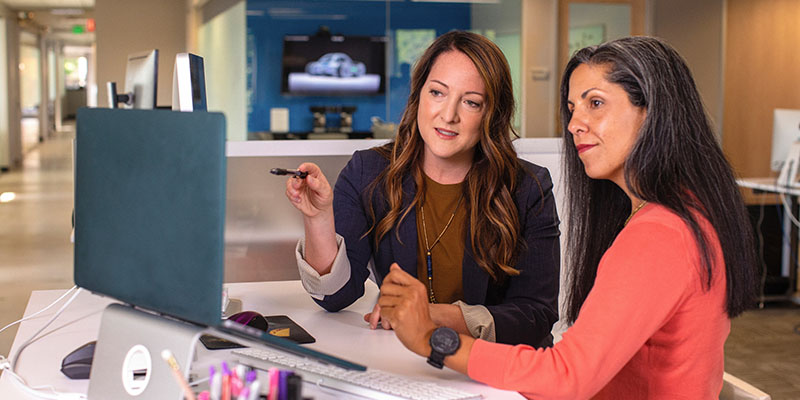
(439, 203)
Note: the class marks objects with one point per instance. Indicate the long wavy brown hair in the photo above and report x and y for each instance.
(489, 185)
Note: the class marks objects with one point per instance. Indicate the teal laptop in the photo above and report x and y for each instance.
(150, 209)
(150, 216)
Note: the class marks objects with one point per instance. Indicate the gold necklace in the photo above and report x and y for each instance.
(428, 248)
(639, 207)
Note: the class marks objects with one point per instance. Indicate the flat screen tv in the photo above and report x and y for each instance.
(333, 65)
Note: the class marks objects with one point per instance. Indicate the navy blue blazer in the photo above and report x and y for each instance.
(524, 307)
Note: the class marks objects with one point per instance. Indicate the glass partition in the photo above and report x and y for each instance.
(594, 23)
(311, 69)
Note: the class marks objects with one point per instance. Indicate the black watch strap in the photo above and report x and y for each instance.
(444, 342)
(436, 359)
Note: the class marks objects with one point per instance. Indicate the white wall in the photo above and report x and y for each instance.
(222, 44)
(124, 27)
(695, 29)
(10, 131)
(539, 75)
(4, 156)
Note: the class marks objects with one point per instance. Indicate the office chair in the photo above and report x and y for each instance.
(734, 388)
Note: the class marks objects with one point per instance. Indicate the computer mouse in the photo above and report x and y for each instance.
(250, 318)
(78, 363)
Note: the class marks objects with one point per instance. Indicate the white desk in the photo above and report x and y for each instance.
(344, 334)
(767, 185)
(790, 242)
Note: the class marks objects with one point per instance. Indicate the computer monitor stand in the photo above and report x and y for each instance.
(788, 175)
(127, 360)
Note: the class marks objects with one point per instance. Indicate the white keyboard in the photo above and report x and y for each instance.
(373, 384)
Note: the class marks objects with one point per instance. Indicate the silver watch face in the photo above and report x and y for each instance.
(445, 340)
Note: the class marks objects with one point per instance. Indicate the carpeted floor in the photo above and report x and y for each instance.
(763, 349)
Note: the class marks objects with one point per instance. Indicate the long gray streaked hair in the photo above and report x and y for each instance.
(676, 162)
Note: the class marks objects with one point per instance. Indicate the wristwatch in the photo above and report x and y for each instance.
(444, 342)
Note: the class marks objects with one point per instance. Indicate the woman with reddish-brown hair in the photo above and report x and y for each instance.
(448, 201)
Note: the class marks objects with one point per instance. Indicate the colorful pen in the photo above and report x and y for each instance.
(178, 374)
(226, 381)
(236, 384)
(215, 383)
(295, 384)
(244, 394)
(255, 388)
(283, 386)
(241, 371)
(274, 378)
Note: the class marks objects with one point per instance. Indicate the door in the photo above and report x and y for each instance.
(587, 22)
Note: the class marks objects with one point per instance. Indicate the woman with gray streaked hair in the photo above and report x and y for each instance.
(659, 249)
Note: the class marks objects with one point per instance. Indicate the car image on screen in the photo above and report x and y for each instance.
(336, 64)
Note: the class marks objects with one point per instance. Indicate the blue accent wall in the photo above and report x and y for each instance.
(268, 21)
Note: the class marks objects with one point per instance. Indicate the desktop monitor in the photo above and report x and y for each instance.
(188, 83)
(141, 83)
(785, 131)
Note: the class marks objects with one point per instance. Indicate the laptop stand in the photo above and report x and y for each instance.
(127, 360)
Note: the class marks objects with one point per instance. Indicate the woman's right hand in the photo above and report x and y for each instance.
(313, 195)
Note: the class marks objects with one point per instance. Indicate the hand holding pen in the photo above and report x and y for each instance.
(311, 193)
(313, 196)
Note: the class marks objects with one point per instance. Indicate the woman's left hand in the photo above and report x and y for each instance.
(404, 304)
(375, 320)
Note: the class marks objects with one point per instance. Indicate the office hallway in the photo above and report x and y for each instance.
(36, 254)
(35, 247)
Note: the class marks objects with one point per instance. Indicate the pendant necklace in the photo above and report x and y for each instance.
(428, 247)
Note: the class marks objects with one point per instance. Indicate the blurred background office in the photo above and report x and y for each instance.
(57, 55)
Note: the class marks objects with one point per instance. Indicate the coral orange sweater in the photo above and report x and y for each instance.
(649, 329)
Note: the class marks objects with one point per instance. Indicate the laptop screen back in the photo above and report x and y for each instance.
(150, 209)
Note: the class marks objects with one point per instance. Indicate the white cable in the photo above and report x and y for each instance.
(41, 391)
(40, 311)
(761, 252)
(788, 209)
(15, 357)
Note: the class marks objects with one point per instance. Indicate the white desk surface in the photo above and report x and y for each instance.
(768, 185)
(343, 334)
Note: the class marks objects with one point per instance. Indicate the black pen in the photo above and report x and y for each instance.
(295, 172)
